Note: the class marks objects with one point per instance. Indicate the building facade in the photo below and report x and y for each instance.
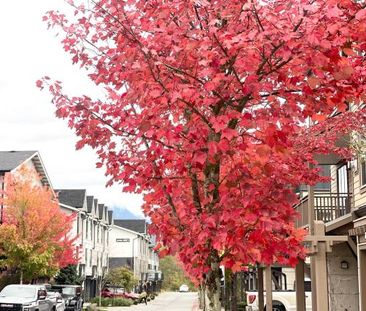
(134, 249)
(91, 226)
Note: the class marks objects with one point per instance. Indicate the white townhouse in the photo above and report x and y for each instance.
(91, 225)
(130, 246)
(12, 161)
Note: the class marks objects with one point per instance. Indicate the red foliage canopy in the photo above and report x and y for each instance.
(205, 112)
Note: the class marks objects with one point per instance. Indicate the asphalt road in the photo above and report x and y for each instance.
(169, 301)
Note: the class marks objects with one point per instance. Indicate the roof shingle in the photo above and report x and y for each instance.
(72, 197)
(137, 225)
(9, 160)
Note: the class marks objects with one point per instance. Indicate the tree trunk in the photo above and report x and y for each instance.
(234, 292)
(213, 281)
(21, 276)
(202, 297)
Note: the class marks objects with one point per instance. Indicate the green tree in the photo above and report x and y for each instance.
(121, 277)
(68, 275)
(174, 275)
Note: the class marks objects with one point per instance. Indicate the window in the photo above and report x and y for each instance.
(363, 173)
(324, 171)
(342, 179)
(78, 224)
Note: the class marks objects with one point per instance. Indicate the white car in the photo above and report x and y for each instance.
(183, 288)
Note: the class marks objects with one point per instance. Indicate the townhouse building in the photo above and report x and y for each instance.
(12, 161)
(91, 225)
(130, 246)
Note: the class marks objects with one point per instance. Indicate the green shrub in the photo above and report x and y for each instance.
(241, 306)
(122, 302)
(113, 302)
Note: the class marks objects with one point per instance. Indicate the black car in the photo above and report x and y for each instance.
(72, 296)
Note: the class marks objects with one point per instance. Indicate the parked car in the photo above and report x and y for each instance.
(118, 292)
(18, 297)
(184, 288)
(57, 300)
(282, 300)
(55, 297)
(72, 296)
(113, 292)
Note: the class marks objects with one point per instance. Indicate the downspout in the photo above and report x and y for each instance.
(2, 180)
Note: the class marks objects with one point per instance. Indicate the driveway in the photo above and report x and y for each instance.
(168, 301)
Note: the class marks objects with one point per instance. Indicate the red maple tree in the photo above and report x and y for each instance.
(205, 113)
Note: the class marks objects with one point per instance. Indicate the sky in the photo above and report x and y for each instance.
(28, 52)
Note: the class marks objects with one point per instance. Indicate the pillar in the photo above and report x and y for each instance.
(300, 286)
(362, 278)
(319, 271)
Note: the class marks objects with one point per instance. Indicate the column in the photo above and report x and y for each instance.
(320, 270)
(300, 286)
(362, 278)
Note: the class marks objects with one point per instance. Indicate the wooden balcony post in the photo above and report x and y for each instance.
(319, 278)
(300, 286)
(269, 303)
(362, 278)
(311, 209)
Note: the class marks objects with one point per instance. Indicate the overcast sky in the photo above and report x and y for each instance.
(27, 122)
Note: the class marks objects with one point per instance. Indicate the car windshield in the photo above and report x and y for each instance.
(68, 291)
(18, 291)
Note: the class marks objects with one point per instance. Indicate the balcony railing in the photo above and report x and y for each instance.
(327, 207)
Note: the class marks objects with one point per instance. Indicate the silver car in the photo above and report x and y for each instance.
(18, 297)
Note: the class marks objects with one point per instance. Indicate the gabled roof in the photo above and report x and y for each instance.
(90, 203)
(110, 217)
(72, 197)
(137, 225)
(100, 211)
(10, 160)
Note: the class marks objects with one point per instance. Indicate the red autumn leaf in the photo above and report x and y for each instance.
(313, 82)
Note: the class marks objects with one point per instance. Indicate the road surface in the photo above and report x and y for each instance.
(169, 301)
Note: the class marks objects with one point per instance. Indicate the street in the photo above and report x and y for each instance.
(169, 301)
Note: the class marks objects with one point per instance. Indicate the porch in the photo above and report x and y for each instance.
(327, 207)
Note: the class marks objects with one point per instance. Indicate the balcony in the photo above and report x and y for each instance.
(327, 207)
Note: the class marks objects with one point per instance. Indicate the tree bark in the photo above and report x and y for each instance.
(234, 292)
(213, 281)
(201, 297)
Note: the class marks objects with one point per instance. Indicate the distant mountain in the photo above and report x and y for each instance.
(124, 213)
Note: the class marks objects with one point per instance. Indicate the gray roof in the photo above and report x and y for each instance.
(71, 197)
(89, 203)
(137, 225)
(101, 210)
(9, 160)
(110, 217)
